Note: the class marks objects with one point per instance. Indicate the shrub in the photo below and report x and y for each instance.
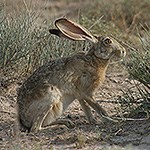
(137, 99)
(24, 46)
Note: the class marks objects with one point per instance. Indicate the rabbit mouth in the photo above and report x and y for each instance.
(120, 53)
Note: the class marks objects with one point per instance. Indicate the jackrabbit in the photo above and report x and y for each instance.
(47, 93)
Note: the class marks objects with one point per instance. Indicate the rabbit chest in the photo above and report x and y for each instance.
(82, 77)
(91, 79)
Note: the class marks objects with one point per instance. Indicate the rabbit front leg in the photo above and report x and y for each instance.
(98, 109)
(87, 111)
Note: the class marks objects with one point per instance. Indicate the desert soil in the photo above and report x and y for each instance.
(101, 135)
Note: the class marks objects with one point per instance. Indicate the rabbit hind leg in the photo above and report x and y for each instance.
(46, 116)
(53, 115)
(50, 110)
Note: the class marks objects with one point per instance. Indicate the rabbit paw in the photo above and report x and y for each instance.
(108, 119)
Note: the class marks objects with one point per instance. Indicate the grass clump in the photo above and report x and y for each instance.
(24, 46)
(18, 38)
(136, 100)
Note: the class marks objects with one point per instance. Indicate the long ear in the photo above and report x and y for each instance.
(74, 31)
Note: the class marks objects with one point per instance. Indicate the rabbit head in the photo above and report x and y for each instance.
(103, 47)
(107, 48)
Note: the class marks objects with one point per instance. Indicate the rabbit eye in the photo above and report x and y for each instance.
(107, 41)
